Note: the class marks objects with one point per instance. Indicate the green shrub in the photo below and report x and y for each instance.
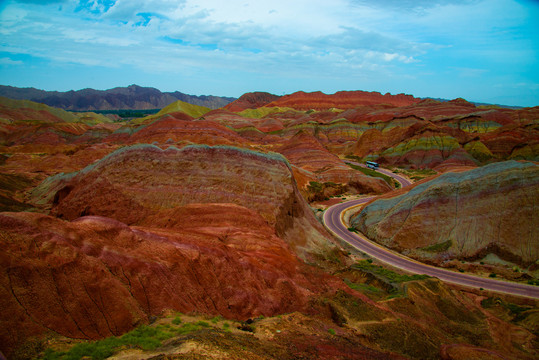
(331, 331)
(492, 275)
(392, 276)
(144, 337)
(177, 320)
(362, 287)
(443, 246)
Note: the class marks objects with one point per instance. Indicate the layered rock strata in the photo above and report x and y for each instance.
(464, 215)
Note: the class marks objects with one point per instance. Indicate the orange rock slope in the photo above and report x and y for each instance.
(135, 182)
(96, 277)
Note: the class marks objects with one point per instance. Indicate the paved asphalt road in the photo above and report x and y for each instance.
(333, 221)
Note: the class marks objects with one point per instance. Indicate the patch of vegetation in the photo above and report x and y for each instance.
(315, 186)
(331, 331)
(533, 282)
(492, 275)
(515, 310)
(144, 337)
(391, 276)
(353, 229)
(127, 113)
(370, 172)
(440, 247)
(353, 157)
(362, 287)
(322, 191)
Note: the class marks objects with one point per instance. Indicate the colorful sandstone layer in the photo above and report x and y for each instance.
(464, 215)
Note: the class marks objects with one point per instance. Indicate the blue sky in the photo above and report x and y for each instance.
(484, 51)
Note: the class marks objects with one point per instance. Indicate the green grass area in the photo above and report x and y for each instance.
(362, 287)
(443, 246)
(370, 172)
(353, 157)
(144, 337)
(127, 113)
(391, 276)
(515, 310)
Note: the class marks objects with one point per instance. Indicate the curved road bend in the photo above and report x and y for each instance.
(333, 221)
(404, 182)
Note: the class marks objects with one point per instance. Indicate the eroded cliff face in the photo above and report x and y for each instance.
(136, 182)
(306, 152)
(491, 209)
(96, 277)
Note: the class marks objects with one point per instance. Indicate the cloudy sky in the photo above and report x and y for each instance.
(482, 50)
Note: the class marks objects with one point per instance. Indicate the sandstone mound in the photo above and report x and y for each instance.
(427, 149)
(341, 100)
(463, 215)
(24, 110)
(170, 129)
(306, 152)
(135, 182)
(251, 100)
(181, 106)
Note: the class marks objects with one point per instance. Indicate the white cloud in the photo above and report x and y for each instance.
(318, 39)
(8, 61)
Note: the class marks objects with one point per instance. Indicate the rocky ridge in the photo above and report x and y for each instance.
(464, 215)
(133, 97)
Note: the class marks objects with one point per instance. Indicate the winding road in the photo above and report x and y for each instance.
(333, 220)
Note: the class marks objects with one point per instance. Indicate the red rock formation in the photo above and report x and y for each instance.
(135, 182)
(306, 152)
(251, 100)
(96, 277)
(340, 100)
(172, 130)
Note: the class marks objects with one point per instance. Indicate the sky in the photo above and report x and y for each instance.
(480, 50)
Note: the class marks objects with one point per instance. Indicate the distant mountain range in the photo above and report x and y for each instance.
(133, 97)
